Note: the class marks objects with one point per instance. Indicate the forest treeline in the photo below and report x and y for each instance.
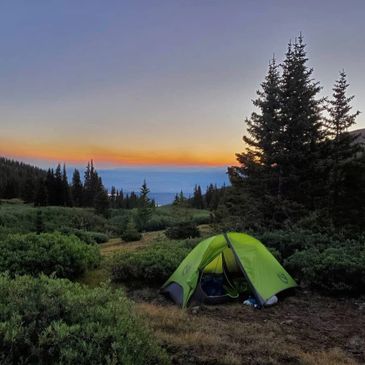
(199, 200)
(34, 185)
(52, 187)
(300, 164)
(18, 179)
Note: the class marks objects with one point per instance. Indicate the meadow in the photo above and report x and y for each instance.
(109, 289)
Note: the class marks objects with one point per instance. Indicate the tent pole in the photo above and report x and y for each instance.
(256, 294)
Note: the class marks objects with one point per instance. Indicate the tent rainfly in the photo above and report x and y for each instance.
(224, 256)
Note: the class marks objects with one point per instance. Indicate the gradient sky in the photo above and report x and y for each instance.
(156, 82)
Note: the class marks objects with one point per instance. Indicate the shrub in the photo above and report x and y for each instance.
(48, 253)
(183, 230)
(335, 270)
(119, 220)
(21, 218)
(78, 218)
(87, 236)
(289, 242)
(131, 233)
(99, 237)
(202, 218)
(159, 222)
(52, 321)
(152, 265)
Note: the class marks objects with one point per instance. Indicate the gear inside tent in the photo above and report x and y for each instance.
(223, 267)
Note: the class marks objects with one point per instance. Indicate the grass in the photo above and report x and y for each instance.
(94, 278)
(16, 217)
(303, 329)
(117, 245)
(221, 335)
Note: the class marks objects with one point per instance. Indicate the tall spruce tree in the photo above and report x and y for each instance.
(119, 199)
(144, 211)
(50, 187)
(113, 196)
(343, 153)
(88, 194)
(198, 201)
(40, 198)
(263, 129)
(28, 190)
(101, 202)
(76, 189)
(58, 186)
(92, 184)
(300, 137)
(66, 188)
(257, 174)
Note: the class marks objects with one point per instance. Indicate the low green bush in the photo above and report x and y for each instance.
(289, 242)
(334, 270)
(183, 230)
(22, 218)
(152, 265)
(159, 222)
(202, 218)
(53, 321)
(118, 221)
(87, 236)
(131, 233)
(48, 253)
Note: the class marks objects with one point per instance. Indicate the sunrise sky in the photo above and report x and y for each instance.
(156, 82)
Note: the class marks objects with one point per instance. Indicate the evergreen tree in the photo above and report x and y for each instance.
(101, 203)
(210, 191)
(280, 167)
(66, 188)
(300, 129)
(119, 199)
(28, 190)
(343, 153)
(257, 175)
(88, 193)
(19, 180)
(50, 186)
(58, 186)
(216, 196)
(197, 201)
(176, 200)
(180, 200)
(126, 202)
(131, 233)
(92, 184)
(113, 197)
(133, 200)
(144, 211)
(41, 198)
(77, 189)
(263, 128)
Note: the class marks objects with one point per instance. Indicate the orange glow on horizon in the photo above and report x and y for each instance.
(80, 154)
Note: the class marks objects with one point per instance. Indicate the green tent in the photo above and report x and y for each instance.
(226, 257)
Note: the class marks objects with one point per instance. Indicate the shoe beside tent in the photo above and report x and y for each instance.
(224, 255)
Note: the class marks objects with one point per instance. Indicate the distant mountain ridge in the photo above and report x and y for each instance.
(361, 133)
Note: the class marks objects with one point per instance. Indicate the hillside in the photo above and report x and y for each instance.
(361, 133)
(17, 179)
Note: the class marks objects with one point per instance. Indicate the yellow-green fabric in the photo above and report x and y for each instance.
(215, 266)
(264, 273)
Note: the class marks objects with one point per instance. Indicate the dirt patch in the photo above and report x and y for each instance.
(117, 245)
(302, 329)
